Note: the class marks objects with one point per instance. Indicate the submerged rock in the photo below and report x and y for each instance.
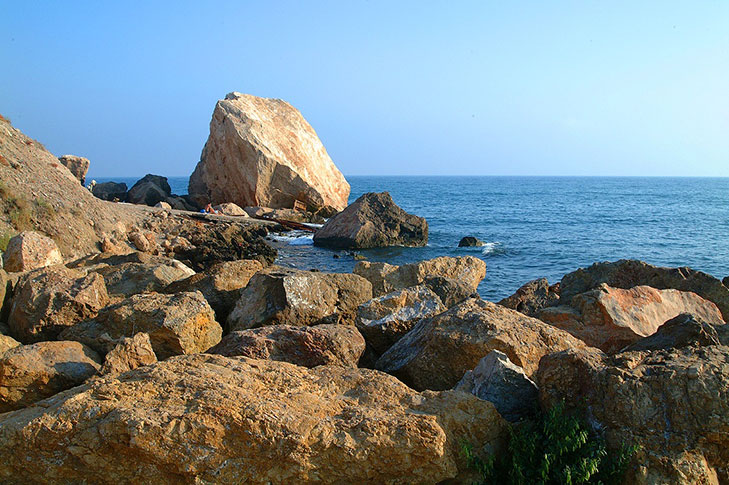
(372, 221)
(79, 166)
(470, 241)
(30, 250)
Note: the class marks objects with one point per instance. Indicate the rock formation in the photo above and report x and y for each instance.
(469, 242)
(30, 250)
(372, 221)
(263, 152)
(149, 190)
(79, 166)
(532, 297)
(110, 191)
(130, 353)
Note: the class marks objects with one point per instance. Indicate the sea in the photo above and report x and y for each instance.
(537, 227)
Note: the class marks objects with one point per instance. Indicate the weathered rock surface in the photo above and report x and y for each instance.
(285, 296)
(49, 300)
(372, 221)
(163, 205)
(328, 344)
(263, 152)
(383, 320)
(79, 166)
(129, 354)
(6, 292)
(30, 250)
(532, 297)
(181, 203)
(470, 242)
(220, 284)
(284, 214)
(149, 190)
(29, 373)
(440, 350)
(498, 380)
(630, 273)
(683, 331)
(110, 191)
(386, 278)
(611, 318)
(212, 419)
(182, 323)
(7, 342)
(450, 291)
(673, 403)
(151, 273)
(231, 209)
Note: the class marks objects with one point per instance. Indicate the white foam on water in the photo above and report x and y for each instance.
(295, 238)
(490, 247)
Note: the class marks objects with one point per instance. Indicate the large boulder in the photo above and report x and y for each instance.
(383, 320)
(78, 166)
(30, 250)
(327, 344)
(532, 297)
(182, 323)
(142, 274)
(611, 318)
(129, 353)
(630, 273)
(440, 350)
(231, 209)
(110, 191)
(386, 278)
(49, 300)
(149, 190)
(283, 296)
(7, 342)
(214, 419)
(29, 373)
(683, 331)
(263, 152)
(220, 284)
(673, 403)
(373, 221)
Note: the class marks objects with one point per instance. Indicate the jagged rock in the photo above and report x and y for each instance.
(152, 273)
(78, 166)
(439, 350)
(682, 331)
(328, 344)
(470, 241)
(182, 323)
(611, 318)
(230, 209)
(386, 278)
(180, 203)
(532, 297)
(450, 291)
(110, 191)
(372, 221)
(129, 354)
(29, 373)
(383, 320)
(163, 205)
(282, 296)
(149, 190)
(725, 281)
(46, 301)
(142, 242)
(498, 380)
(263, 152)
(7, 342)
(30, 250)
(629, 273)
(673, 403)
(220, 284)
(213, 419)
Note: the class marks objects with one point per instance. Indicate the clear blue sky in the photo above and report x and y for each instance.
(487, 88)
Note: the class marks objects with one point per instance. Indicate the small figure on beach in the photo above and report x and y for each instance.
(210, 210)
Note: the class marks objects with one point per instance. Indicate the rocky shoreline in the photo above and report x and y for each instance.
(145, 344)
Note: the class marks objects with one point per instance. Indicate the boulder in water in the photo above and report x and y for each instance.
(470, 241)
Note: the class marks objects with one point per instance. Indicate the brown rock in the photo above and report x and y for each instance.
(154, 274)
(129, 354)
(7, 342)
(263, 152)
(182, 323)
(386, 278)
(439, 350)
(141, 242)
(231, 209)
(78, 166)
(532, 297)
(29, 373)
(30, 250)
(220, 284)
(611, 318)
(212, 419)
(450, 291)
(372, 221)
(163, 205)
(285, 296)
(328, 344)
(46, 301)
(682, 331)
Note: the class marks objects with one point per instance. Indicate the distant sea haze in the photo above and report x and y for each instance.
(542, 226)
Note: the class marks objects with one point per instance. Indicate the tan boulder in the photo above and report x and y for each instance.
(263, 152)
(79, 166)
(532, 297)
(29, 373)
(440, 350)
(286, 296)
(182, 323)
(142, 242)
(129, 353)
(372, 221)
(611, 318)
(231, 209)
(163, 205)
(47, 301)
(386, 277)
(30, 250)
(7, 342)
(328, 344)
(213, 419)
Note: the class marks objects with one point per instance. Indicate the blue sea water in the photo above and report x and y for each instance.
(544, 226)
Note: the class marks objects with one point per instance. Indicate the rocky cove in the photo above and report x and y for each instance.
(148, 337)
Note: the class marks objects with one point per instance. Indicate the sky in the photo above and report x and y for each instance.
(392, 88)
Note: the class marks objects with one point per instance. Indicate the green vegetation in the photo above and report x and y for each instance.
(5, 237)
(555, 449)
(44, 209)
